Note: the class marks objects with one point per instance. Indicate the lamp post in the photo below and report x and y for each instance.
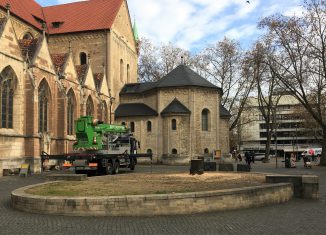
(111, 99)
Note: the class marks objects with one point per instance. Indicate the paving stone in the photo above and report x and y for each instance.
(299, 216)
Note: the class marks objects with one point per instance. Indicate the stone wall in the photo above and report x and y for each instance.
(149, 205)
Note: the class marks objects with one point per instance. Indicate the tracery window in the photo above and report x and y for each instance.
(70, 112)
(7, 79)
(89, 107)
(43, 98)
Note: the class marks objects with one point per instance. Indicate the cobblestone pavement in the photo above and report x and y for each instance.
(299, 216)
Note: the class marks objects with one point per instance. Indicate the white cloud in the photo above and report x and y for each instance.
(191, 24)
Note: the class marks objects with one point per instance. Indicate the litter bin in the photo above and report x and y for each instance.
(197, 166)
(287, 162)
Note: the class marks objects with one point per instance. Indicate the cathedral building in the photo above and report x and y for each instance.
(58, 63)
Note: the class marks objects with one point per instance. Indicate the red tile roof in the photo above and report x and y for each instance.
(75, 17)
(28, 47)
(82, 72)
(25, 10)
(82, 16)
(59, 60)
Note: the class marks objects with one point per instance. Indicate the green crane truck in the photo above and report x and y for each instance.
(100, 149)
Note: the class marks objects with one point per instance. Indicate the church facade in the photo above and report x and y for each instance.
(56, 66)
(177, 118)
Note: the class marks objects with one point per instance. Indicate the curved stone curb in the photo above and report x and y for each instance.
(153, 204)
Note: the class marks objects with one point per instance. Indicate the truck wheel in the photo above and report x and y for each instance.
(109, 169)
(116, 167)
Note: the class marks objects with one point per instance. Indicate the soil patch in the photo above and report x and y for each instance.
(144, 183)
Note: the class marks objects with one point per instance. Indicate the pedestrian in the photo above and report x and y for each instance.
(247, 158)
(252, 155)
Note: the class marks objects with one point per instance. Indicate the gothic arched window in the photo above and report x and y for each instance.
(43, 101)
(128, 73)
(104, 112)
(70, 112)
(205, 120)
(89, 107)
(28, 36)
(83, 58)
(7, 80)
(121, 70)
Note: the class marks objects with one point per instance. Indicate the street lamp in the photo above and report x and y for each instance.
(111, 100)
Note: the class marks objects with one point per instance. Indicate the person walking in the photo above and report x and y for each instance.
(252, 156)
(248, 158)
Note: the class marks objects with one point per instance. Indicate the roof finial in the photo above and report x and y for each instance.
(43, 28)
(182, 60)
(8, 9)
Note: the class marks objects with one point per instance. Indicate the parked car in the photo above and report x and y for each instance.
(259, 157)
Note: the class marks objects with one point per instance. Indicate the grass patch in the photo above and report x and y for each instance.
(141, 183)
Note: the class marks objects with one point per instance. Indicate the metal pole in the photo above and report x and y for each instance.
(276, 148)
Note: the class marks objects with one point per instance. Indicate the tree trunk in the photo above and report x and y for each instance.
(323, 155)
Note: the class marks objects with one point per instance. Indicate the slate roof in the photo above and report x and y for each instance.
(134, 110)
(28, 47)
(181, 76)
(224, 113)
(75, 17)
(136, 88)
(59, 60)
(82, 72)
(98, 79)
(184, 76)
(175, 107)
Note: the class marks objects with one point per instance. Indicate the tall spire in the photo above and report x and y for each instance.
(135, 31)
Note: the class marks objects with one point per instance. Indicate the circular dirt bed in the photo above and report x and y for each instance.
(141, 183)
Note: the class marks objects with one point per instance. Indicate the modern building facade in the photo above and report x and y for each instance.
(293, 134)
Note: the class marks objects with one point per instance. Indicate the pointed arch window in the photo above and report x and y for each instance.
(121, 70)
(128, 73)
(43, 98)
(28, 36)
(205, 120)
(83, 58)
(7, 80)
(89, 107)
(104, 112)
(70, 112)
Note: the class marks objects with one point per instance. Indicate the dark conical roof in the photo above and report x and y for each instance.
(175, 107)
(184, 76)
(181, 76)
(224, 113)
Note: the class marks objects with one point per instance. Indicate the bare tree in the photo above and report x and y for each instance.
(155, 62)
(224, 65)
(300, 61)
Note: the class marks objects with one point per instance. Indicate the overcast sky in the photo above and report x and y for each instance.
(193, 24)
